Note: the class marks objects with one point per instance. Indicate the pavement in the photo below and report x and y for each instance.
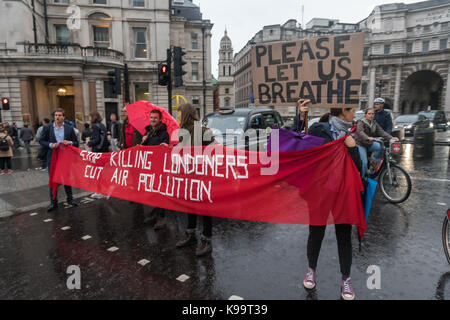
(121, 257)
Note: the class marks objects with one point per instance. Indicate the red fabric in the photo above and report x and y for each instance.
(129, 132)
(319, 186)
(139, 117)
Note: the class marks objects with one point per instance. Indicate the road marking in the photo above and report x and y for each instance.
(235, 298)
(65, 228)
(87, 237)
(442, 204)
(430, 179)
(143, 262)
(34, 214)
(183, 278)
(48, 220)
(112, 249)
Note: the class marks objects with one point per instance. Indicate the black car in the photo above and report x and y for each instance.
(437, 117)
(412, 122)
(231, 126)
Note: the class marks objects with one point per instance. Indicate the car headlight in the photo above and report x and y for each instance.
(409, 127)
(431, 125)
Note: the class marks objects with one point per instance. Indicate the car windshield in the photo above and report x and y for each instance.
(407, 118)
(226, 122)
(429, 115)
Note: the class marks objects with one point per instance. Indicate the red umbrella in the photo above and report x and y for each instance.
(139, 118)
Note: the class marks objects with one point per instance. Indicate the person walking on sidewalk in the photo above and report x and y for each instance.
(114, 130)
(189, 119)
(53, 136)
(156, 134)
(26, 135)
(15, 136)
(6, 150)
(42, 154)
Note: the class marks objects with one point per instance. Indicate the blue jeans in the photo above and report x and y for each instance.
(375, 148)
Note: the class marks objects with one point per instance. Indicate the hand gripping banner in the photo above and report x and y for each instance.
(319, 186)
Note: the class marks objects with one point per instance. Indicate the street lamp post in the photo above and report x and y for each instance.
(380, 87)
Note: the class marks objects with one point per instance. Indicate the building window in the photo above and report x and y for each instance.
(229, 71)
(426, 28)
(387, 48)
(364, 88)
(364, 71)
(195, 101)
(101, 37)
(141, 91)
(366, 51)
(61, 1)
(227, 102)
(99, 1)
(140, 42)
(363, 104)
(194, 41)
(139, 3)
(443, 44)
(426, 46)
(62, 34)
(410, 29)
(227, 91)
(409, 47)
(195, 71)
(385, 71)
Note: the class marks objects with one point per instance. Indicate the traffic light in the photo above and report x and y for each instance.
(178, 62)
(163, 74)
(5, 103)
(115, 81)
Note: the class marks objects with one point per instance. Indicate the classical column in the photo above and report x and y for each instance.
(398, 84)
(79, 103)
(447, 94)
(371, 86)
(92, 96)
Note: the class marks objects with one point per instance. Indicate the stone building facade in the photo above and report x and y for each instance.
(59, 55)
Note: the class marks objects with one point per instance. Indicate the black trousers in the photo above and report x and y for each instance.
(5, 161)
(207, 224)
(68, 189)
(344, 241)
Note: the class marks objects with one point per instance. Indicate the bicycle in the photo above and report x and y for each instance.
(446, 235)
(394, 181)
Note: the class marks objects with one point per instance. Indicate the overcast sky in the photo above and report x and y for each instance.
(244, 18)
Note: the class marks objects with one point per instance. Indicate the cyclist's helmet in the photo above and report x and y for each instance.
(379, 100)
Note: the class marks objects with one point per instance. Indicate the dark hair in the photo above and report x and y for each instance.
(46, 120)
(158, 112)
(25, 126)
(58, 110)
(95, 117)
(86, 125)
(367, 110)
(335, 112)
(188, 115)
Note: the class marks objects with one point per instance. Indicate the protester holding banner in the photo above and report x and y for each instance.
(53, 135)
(126, 135)
(156, 135)
(189, 119)
(99, 140)
(332, 126)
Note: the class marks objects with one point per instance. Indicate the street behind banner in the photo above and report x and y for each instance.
(326, 69)
(319, 186)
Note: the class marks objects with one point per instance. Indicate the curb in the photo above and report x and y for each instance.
(9, 213)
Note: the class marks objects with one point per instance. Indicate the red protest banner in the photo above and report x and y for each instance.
(319, 186)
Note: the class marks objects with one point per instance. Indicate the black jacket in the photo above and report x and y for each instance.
(115, 130)
(48, 137)
(384, 119)
(99, 139)
(322, 130)
(155, 138)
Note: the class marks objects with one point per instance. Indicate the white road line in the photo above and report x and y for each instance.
(65, 228)
(87, 237)
(34, 214)
(442, 204)
(112, 249)
(143, 262)
(235, 298)
(183, 278)
(430, 179)
(48, 220)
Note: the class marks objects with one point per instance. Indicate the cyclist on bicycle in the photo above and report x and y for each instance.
(367, 130)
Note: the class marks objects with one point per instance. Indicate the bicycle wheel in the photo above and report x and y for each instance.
(446, 238)
(399, 190)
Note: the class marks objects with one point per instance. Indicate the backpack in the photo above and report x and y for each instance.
(4, 145)
(104, 143)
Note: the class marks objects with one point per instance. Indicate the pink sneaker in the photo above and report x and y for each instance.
(9, 171)
(310, 279)
(2, 173)
(347, 290)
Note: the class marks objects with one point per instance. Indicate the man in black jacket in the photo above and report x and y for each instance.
(54, 135)
(156, 135)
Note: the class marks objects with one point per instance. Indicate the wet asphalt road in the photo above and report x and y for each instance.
(250, 260)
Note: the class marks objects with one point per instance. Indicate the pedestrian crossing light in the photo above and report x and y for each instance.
(163, 74)
(178, 62)
(5, 104)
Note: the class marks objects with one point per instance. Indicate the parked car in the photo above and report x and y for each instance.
(397, 131)
(229, 126)
(437, 117)
(412, 122)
